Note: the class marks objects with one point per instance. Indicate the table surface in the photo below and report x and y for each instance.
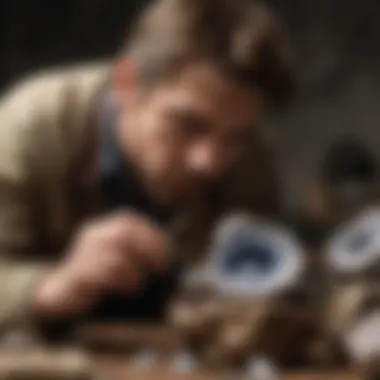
(114, 365)
(161, 375)
(117, 369)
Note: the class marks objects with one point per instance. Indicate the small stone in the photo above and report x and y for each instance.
(144, 360)
(261, 369)
(184, 363)
(363, 341)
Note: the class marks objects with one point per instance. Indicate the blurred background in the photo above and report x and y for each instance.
(337, 44)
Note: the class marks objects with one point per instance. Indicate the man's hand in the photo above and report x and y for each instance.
(113, 254)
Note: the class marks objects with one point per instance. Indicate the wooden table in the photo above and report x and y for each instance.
(160, 375)
(110, 363)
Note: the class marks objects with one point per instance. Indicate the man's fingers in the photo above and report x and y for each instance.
(118, 272)
(135, 236)
(145, 240)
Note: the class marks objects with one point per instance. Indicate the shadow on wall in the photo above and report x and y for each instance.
(339, 83)
(40, 33)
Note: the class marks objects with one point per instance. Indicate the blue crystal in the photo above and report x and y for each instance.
(359, 241)
(260, 257)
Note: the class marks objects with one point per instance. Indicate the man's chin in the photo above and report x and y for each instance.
(187, 194)
(176, 195)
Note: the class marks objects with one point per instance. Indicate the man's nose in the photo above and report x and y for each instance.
(207, 159)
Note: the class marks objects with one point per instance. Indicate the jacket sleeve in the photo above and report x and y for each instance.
(19, 273)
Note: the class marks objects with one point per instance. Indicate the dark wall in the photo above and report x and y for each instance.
(39, 33)
(338, 46)
(337, 41)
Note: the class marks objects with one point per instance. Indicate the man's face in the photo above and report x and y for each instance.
(185, 134)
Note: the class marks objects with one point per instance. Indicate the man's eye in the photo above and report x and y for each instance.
(238, 140)
(188, 124)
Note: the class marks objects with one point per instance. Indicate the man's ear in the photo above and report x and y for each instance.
(124, 80)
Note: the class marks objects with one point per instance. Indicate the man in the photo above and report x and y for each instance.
(113, 174)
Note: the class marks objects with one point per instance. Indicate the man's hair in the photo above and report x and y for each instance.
(240, 37)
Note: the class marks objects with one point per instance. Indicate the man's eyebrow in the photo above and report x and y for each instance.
(192, 115)
(242, 129)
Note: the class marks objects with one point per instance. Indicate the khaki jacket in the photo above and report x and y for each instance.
(42, 132)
